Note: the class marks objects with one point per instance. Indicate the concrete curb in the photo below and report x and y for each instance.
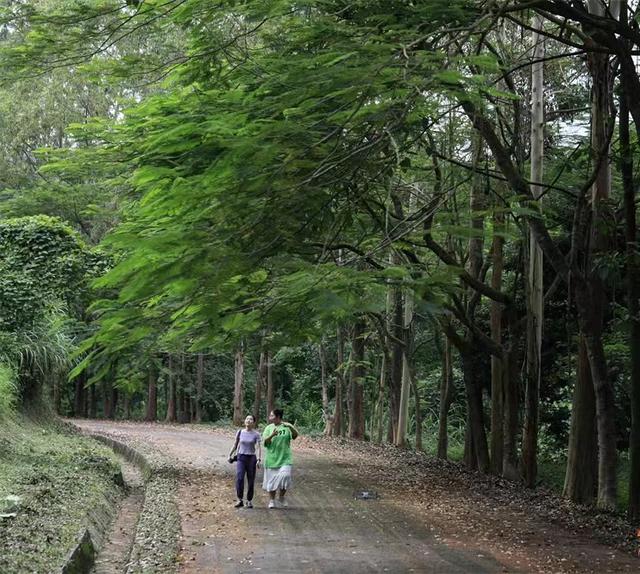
(81, 557)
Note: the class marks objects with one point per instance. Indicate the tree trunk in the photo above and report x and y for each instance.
(403, 411)
(199, 387)
(93, 402)
(271, 391)
(633, 298)
(107, 403)
(382, 388)
(478, 448)
(238, 387)
(418, 413)
(534, 291)
(446, 398)
(127, 405)
(356, 381)
(497, 377)
(324, 383)
(582, 461)
(338, 422)
(151, 414)
(397, 353)
(510, 370)
(78, 397)
(261, 375)
(171, 398)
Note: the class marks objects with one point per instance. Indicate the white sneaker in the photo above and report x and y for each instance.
(249, 504)
(272, 504)
(283, 503)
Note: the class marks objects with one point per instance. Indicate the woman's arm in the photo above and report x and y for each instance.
(235, 446)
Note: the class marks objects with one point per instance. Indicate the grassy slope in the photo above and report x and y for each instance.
(59, 476)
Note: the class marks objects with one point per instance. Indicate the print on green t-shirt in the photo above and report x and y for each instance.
(279, 451)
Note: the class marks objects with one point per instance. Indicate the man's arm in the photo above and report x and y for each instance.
(294, 431)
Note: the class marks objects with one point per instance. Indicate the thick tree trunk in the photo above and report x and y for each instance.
(589, 313)
(497, 377)
(446, 398)
(534, 291)
(151, 414)
(78, 396)
(171, 393)
(633, 299)
(582, 460)
(510, 370)
(199, 387)
(238, 387)
(356, 382)
(477, 434)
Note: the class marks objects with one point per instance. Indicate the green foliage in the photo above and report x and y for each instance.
(8, 390)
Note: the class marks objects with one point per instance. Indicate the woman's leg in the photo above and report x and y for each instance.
(240, 470)
(251, 475)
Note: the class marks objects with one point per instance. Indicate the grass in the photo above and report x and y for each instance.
(57, 476)
(551, 474)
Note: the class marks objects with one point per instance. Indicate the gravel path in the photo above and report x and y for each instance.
(325, 529)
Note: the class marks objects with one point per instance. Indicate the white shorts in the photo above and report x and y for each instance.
(277, 478)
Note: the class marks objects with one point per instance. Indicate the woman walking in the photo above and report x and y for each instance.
(278, 462)
(246, 441)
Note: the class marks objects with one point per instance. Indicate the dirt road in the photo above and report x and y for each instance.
(325, 529)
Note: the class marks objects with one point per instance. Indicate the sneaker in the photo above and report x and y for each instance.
(249, 504)
(238, 504)
(272, 504)
(283, 503)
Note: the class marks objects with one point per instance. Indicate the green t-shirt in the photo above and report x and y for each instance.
(279, 450)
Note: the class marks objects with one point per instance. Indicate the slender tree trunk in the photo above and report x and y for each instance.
(261, 375)
(356, 382)
(633, 297)
(382, 388)
(126, 405)
(338, 422)
(171, 398)
(582, 460)
(93, 402)
(78, 398)
(403, 412)
(271, 391)
(107, 404)
(324, 383)
(397, 353)
(199, 387)
(238, 387)
(418, 412)
(534, 291)
(446, 398)
(151, 414)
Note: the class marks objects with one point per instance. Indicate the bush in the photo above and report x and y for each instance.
(7, 390)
